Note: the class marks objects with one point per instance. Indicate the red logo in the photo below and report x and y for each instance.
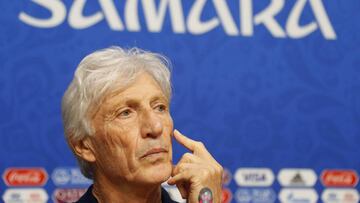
(339, 178)
(64, 195)
(25, 177)
(226, 195)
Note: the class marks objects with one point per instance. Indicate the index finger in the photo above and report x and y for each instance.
(185, 141)
(197, 148)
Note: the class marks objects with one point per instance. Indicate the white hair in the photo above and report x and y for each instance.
(99, 74)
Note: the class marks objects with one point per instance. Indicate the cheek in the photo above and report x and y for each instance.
(168, 123)
(168, 129)
(117, 140)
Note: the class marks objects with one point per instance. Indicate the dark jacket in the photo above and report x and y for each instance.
(88, 197)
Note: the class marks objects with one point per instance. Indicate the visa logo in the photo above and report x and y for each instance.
(254, 177)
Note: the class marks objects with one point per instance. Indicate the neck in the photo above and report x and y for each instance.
(107, 191)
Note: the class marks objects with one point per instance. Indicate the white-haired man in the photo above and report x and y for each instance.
(117, 122)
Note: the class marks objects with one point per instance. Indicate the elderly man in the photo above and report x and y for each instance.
(118, 124)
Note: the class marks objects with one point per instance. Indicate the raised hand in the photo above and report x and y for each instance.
(196, 171)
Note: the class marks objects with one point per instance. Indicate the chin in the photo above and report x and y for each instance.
(159, 173)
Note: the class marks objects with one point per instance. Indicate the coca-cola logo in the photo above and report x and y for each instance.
(25, 177)
(339, 178)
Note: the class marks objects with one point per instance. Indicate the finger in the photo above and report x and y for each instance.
(182, 189)
(187, 158)
(195, 147)
(180, 178)
(190, 158)
(184, 167)
(185, 141)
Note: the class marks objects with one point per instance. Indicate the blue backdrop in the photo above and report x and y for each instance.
(264, 84)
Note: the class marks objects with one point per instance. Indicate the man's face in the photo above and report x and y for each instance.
(133, 127)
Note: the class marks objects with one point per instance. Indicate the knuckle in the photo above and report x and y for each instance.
(200, 144)
(212, 172)
(180, 168)
(215, 172)
(186, 156)
(206, 173)
(196, 179)
(220, 169)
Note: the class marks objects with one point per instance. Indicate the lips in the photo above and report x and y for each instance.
(154, 151)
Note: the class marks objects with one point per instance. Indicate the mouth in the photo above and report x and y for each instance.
(154, 151)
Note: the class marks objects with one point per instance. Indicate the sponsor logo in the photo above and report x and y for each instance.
(25, 177)
(339, 178)
(69, 176)
(226, 179)
(243, 195)
(33, 195)
(62, 195)
(254, 177)
(298, 195)
(188, 21)
(226, 195)
(255, 195)
(297, 177)
(340, 195)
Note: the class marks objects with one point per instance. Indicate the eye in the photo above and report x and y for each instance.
(160, 108)
(126, 113)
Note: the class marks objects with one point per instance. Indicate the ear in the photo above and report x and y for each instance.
(83, 148)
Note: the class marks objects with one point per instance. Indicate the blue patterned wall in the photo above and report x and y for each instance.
(260, 91)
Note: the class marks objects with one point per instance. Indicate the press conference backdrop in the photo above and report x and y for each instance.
(272, 87)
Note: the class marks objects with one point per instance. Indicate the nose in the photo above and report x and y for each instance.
(151, 125)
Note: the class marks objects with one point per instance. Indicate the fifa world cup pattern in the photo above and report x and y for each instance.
(271, 87)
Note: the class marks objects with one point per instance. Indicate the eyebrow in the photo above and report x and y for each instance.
(126, 101)
(159, 97)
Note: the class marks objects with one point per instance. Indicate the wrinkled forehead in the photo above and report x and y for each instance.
(141, 87)
(141, 84)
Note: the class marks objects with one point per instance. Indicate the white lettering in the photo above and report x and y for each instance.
(194, 24)
(267, 17)
(77, 20)
(58, 14)
(155, 21)
(323, 19)
(156, 10)
(246, 16)
(21, 178)
(293, 28)
(131, 15)
(111, 14)
(225, 17)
